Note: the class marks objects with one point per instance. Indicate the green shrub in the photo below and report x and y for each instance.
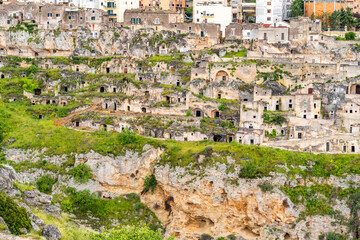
(45, 183)
(231, 237)
(205, 236)
(250, 170)
(331, 236)
(62, 112)
(274, 119)
(150, 183)
(66, 205)
(14, 216)
(127, 137)
(266, 187)
(222, 107)
(350, 36)
(130, 232)
(188, 113)
(30, 85)
(81, 173)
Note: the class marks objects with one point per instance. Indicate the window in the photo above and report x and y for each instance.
(269, 11)
(202, 34)
(282, 36)
(138, 21)
(327, 146)
(265, 36)
(92, 18)
(268, 3)
(178, 32)
(57, 15)
(132, 20)
(269, 18)
(49, 14)
(69, 17)
(189, 29)
(157, 21)
(71, 26)
(232, 32)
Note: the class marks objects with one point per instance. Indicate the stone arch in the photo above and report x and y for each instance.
(198, 113)
(221, 76)
(215, 113)
(355, 89)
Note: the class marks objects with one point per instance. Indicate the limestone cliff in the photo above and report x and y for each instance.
(191, 201)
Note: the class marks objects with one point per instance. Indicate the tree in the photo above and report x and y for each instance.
(312, 17)
(297, 8)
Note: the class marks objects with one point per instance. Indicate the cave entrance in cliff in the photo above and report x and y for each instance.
(357, 89)
(217, 138)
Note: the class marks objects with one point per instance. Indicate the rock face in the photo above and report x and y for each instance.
(51, 232)
(7, 176)
(196, 199)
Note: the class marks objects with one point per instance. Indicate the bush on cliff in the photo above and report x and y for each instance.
(45, 183)
(14, 216)
(81, 173)
(250, 170)
(150, 183)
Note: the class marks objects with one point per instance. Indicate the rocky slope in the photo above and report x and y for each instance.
(194, 200)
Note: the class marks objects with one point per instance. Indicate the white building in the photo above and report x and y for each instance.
(116, 8)
(75, 3)
(269, 11)
(85, 3)
(211, 12)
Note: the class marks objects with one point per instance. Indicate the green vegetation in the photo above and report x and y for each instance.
(81, 173)
(45, 183)
(69, 230)
(222, 107)
(150, 183)
(142, 232)
(266, 187)
(350, 36)
(14, 216)
(274, 119)
(297, 8)
(126, 210)
(341, 18)
(332, 236)
(240, 53)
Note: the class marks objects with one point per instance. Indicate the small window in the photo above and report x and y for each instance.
(57, 15)
(268, 3)
(93, 18)
(202, 34)
(49, 14)
(269, 11)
